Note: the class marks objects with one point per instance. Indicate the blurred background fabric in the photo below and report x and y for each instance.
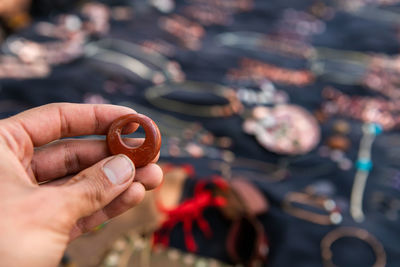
(325, 74)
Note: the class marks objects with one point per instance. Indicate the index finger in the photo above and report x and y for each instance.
(54, 121)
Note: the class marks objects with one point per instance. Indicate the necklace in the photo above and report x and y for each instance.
(255, 70)
(216, 12)
(367, 109)
(260, 42)
(188, 33)
(11, 67)
(234, 5)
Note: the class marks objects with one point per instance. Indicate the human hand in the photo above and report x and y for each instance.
(51, 190)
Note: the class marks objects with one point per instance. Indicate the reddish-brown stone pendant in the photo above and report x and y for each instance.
(142, 155)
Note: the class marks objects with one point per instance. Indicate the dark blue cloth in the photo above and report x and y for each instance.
(293, 241)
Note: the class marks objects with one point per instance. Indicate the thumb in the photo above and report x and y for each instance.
(95, 187)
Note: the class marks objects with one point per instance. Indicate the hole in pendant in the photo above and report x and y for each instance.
(133, 139)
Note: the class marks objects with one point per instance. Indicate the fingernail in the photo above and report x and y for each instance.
(119, 169)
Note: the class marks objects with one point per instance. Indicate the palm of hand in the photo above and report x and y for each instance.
(49, 191)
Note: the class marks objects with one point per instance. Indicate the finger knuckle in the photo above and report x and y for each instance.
(95, 192)
(72, 160)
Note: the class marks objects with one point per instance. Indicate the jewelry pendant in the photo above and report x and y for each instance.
(284, 129)
(142, 155)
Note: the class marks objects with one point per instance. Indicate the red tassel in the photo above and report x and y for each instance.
(204, 227)
(191, 210)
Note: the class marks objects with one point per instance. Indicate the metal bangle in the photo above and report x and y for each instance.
(156, 96)
(363, 235)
